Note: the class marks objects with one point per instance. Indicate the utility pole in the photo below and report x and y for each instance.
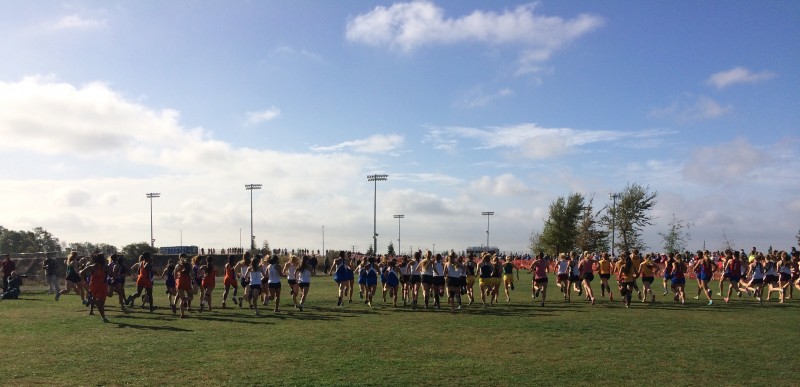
(487, 214)
(151, 196)
(614, 197)
(251, 188)
(376, 178)
(398, 217)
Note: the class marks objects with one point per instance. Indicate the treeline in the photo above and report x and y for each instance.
(40, 240)
(574, 223)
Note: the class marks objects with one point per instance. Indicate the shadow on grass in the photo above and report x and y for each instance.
(153, 328)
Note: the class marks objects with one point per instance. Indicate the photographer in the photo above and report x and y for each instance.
(14, 282)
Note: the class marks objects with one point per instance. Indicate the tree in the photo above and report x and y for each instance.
(12, 241)
(798, 237)
(134, 250)
(561, 228)
(390, 249)
(590, 237)
(370, 251)
(631, 215)
(265, 248)
(45, 240)
(535, 242)
(677, 236)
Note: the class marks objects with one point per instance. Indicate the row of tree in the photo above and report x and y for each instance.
(573, 224)
(40, 240)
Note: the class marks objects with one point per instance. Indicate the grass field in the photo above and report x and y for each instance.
(515, 343)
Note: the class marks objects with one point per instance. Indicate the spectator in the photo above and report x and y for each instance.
(313, 262)
(14, 282)
(8, 267)
(50, 268)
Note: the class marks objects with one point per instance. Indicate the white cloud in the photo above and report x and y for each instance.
(289, 52)
(691, 108)
(732, 162)
(373, 144)
(258, 117)
(503, 185)
(534, 142)
(478, 98)
(76, 22)
(408, 26)
(738, 75)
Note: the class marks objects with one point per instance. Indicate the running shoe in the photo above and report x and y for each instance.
(710, 302)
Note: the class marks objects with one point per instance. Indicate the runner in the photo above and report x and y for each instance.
(230, 281)
(539, 271)
(426, 268)
(485, 270)
(733, 269)
(290, 272)
(626, 278)
(209, 282)
(508, 278)
(756, 274)
(453, 270)
(144, 281)
(273, 283)
(393, 277)
(416, 277)
(98, 287)
(705, 272)
(563, 271)
(469, 271)
(256, 278)
(340, 276)
(371, 280)
(648, 270)
(668, 271)
(784, 274)
(586, 266)
(242, 266)
(170, 283)
(438, 284)
(605, 269)
(74, 281)
(304, 273)
(678, 279)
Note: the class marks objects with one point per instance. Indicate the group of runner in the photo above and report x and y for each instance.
(427, 279)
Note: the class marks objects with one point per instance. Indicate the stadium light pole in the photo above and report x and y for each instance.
(614, 197)
(376, 178)
(487, 214)
(323, 242)
(251, 188)
(398, 217)
(150, 196)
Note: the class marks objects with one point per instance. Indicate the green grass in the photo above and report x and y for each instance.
(516, 343)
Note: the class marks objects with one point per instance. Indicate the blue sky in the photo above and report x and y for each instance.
(468, 106)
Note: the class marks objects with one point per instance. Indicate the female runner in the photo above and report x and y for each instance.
(678, 279)
(171, 284)
(627, 274)
(485, 270)
(116, 279)
(340, 276)
(497, 278)
(508, 277)
(563, 272)
(604, 268)
(648, 270)
(393, 280)
(273, 283)
(74, 280)
(256, 277)
(733, 268)
(438, 281)
(97, 284)
(469, 271)
(144, 281)
(668, 271)
(230, 280)
(539, 271)
(416, 278)
(304, 279)
(704, 268)
(784, 274)
(242, 266)
(453, 271)
(426, 269)
(209, 282)
(183, 281)
(290, 272)
(370, 279)
(405, 279)
(586, 266)
(575, 273)
(756, 274)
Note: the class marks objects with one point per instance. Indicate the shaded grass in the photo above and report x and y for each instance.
(515, 343)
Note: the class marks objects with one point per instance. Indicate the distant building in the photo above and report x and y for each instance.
(176, 250)
(480, 249)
